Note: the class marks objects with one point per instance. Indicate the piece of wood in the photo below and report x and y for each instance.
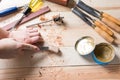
(28, 18)
(103, 27)
(110, 72)
(62, 2)
(111, 18)
(104, 34)
(112, 25)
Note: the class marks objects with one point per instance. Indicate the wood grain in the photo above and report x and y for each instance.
(64, 37)
(110, 72)
(68, 65)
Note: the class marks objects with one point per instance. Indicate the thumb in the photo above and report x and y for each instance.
(30, 47)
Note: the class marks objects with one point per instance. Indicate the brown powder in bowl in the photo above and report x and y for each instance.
(104, 52)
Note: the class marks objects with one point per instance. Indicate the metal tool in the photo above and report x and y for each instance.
(111, 21)
(57, 19)
(24, 14)
(34, 5)
(96, 25)
(50, 48)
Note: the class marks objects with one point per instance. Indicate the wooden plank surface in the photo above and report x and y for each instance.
(74, 29)
(110, 72)
(67, 65)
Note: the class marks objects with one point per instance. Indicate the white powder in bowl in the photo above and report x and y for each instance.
(85, 46)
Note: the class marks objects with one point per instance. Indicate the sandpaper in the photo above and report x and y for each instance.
(61, 2)
(28, 18)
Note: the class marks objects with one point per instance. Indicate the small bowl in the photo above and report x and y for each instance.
(103, 53)
(85, 45)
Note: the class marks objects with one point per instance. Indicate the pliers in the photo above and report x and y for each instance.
(96, 25)
(109, 20)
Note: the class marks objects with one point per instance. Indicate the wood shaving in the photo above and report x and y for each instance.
(39, 26)
(42, 18)
(53, 37)
(40, 74)
(31, 56)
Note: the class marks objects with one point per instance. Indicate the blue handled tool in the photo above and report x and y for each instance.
(34, 5)
(9, 10)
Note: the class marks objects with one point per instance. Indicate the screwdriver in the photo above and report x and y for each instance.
(10, 10)
(34, 5)
(24, 14)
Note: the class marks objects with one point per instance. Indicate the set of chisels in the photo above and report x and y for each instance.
(102, 25)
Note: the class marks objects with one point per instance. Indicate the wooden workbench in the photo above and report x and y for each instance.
(68, 64)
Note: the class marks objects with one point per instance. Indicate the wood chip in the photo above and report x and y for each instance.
(42, 18)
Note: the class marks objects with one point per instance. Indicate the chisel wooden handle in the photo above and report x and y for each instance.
(112, 25)
(105, 35)
(103, 27)
(111, 18)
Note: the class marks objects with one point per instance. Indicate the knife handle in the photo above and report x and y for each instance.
(103, 27)
(105, 35)
(112, 25)
(111, 18)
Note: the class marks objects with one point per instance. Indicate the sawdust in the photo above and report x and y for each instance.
(62, 61)
(40, 74)
(53, 37)
(39, 26)
(65, 28)
(45, 30)
(32, 56)
(43, 18)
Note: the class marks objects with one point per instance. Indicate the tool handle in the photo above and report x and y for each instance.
(105, 35)
(111, 18)
(82, 15)
(8, 11)
(112, 25)
(103, 27)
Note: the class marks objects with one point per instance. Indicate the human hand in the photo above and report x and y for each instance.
(8, 45)
(29, 35)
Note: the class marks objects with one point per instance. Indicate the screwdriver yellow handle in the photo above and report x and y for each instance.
(111, 18)
(105, 35)
(35, 5)
(112, 25)
(103, 27)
